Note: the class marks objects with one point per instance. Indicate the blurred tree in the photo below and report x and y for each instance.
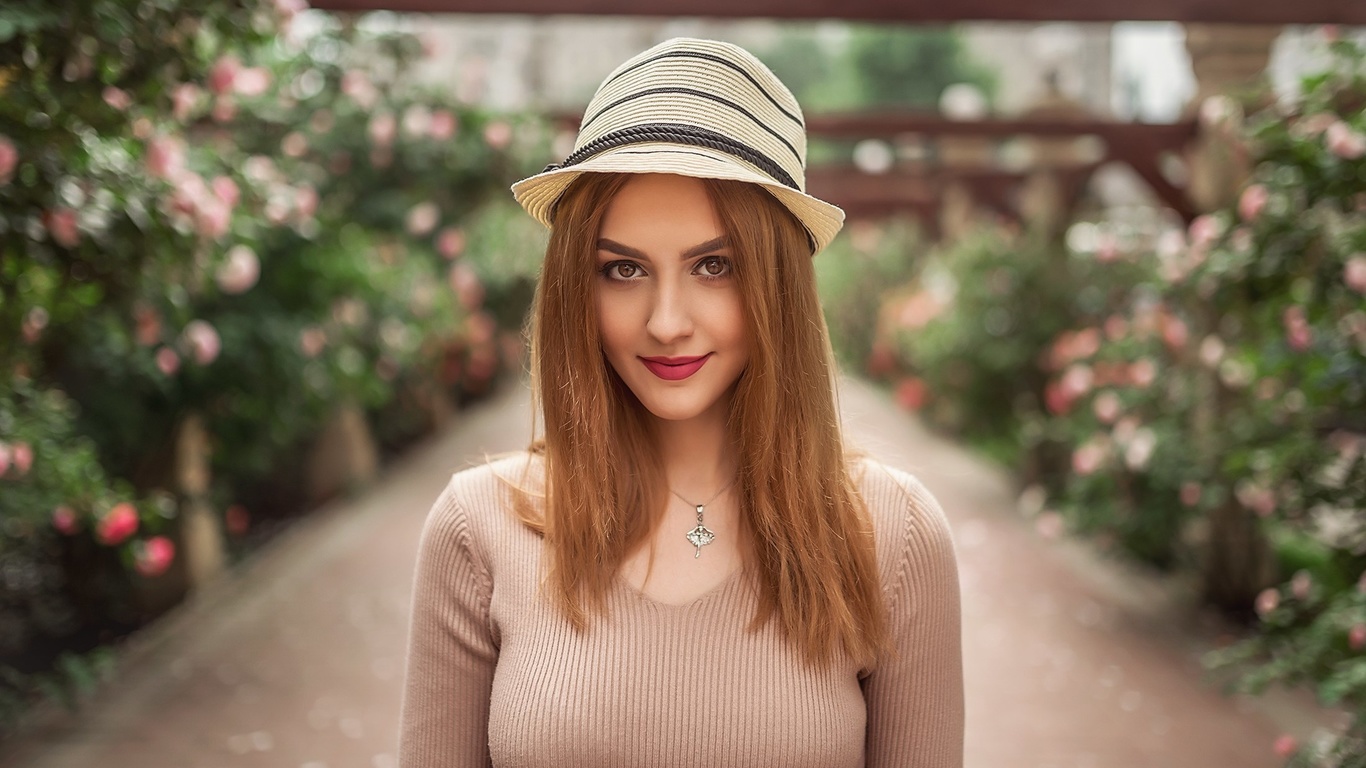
(864, 66)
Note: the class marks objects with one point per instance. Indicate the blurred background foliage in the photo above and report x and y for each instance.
(208, 210)
(1194, 403)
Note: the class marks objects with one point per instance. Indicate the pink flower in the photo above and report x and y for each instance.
(881, 360)
(1056, 399)
(288, 9)
(1106, 407)
(1125, 429)
(239, 271)
(1116, 327)
(1140, 449)
(166, 157)
(9, 158)
(442, 126)
(450, 242)
(64, 520)
(1143, 372)
(1211, 350)
(311, 341)
(1252, 201)
(118, 524)
(224, 109)
(383, 128)
(305, 201)
(35, 320)
(1204, 231)
(61, 223)
(294, 144)
(236, 519)
(154, 556)
(202, 340)
(1354, 273)
(1174, 332)
(213, 218)
(1285, 746)
(1344, 142)
(223, 74)
(417, 120)
(1256, 497)
(1297, 332)
(1356, 637)
(117, 98)
(356, 84)
(911, 393)
(21, 454)
(225, 189)
(1300, 585)
(260, 169)
(498, 134)
(148, 325)
(1089, 457)
(168, 362)
(468, 289)
(252, 81)
(918, 310)
(1076, 380)
(1190, 493)
(1267, 601)
(423, 218)
(184, 98)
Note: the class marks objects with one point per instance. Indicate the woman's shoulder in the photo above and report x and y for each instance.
(481, 501)
(908, 522)
(489, 481)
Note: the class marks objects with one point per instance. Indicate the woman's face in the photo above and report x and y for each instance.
(669, 307)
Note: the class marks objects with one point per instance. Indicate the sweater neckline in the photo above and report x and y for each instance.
(722, 587)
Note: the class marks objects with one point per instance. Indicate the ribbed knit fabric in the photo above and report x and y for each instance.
(495, 676)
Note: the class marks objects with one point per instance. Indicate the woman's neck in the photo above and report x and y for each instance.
(697, 455)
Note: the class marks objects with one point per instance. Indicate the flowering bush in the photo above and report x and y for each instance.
(1196, 402)
(68, 532)
(205, 210)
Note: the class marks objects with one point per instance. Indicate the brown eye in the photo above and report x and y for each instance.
(715, 266)
(621, 270)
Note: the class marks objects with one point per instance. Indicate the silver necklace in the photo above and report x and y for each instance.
(700, 536)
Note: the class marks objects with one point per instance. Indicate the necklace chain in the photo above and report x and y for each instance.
(700, 535)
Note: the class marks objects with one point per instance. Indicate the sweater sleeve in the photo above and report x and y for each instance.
(915, 697)
(443, 721)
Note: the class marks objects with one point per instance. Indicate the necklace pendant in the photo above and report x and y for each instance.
(700, 537)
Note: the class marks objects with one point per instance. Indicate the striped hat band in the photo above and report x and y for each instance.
(699, 108)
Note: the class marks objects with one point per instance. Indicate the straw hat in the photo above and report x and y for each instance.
(693, 107)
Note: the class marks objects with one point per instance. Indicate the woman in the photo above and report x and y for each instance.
(688, 569)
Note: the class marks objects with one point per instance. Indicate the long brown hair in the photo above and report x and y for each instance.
(811, 536)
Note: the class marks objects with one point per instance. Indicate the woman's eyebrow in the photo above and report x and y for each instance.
(604, 244)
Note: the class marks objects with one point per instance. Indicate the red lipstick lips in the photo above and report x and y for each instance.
(674, 368)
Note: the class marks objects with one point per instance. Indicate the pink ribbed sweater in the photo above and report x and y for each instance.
(496, 677)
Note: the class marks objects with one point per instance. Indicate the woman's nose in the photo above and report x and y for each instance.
(670, 314)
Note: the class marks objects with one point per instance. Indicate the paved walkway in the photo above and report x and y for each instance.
(296, 659)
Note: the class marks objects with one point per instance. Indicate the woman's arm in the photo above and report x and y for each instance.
(915, 698)
(451, 650)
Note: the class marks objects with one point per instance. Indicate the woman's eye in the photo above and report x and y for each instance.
(621, 270)
(715, 266)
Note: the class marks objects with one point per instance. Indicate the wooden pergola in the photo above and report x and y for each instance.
(919, 189)
(914, 11)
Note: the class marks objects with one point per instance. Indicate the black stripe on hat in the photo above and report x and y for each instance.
(693, 92)
(718, 60)
(674, 133)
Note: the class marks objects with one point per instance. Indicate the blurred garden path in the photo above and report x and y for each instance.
(296, 660)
